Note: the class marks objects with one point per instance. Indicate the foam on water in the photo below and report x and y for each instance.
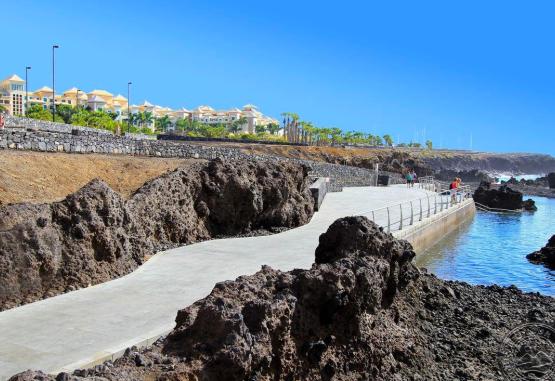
(507, 177)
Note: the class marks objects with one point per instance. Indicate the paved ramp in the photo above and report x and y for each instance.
(90, 325)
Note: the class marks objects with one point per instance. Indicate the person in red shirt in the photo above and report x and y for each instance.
(453, 190)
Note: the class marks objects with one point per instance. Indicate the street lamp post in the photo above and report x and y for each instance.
(27, 68)
(54, 47)
(128, 108)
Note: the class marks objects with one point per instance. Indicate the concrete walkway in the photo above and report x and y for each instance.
(91, 325)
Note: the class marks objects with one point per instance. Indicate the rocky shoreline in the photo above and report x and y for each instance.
(538, 187)
(363, 311)
(545, 256)
(96, 235)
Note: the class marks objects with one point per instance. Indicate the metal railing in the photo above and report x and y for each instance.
(398, 216)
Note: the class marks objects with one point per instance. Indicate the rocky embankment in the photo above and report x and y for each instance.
(476, 167)
(95, 235)
(471, 167)
(502, 197)
(538, 187)
(363, 311)
(545, 256)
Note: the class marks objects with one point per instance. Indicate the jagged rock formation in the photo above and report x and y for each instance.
(545, 256)
(502, 198)
(536, 187)
(362, 312)
(538, 182)
(95, 235)
(551, 180)
(466, 162)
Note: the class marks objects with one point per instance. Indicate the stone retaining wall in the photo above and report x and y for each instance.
(86, 141)
(44, 125)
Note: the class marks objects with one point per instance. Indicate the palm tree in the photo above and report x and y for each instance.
(163, 123)
(295, 125)
(348, 137)
(308, 129)
(324, 135)
(273, 128)
(237, 125)
(388, 140)
(358, 137)
(285, 116)
(147, 118)
(335, 135)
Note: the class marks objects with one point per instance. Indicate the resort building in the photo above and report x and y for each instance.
(12, 98)
(253, 117)
(12, 95)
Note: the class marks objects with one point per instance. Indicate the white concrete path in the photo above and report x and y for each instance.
(78, 328)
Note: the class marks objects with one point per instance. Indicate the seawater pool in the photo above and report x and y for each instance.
(492, 249)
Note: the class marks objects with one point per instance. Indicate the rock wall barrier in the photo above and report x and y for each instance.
(44, 125)
(86, 141)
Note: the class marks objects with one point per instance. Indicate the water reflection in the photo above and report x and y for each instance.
(492, 249)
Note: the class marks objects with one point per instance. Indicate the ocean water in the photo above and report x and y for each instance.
(492, 249)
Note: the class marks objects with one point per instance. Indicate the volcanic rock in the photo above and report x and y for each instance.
(551, 180)
(529, 205)
(501, 198)
(95, 235)
(545, 256)
(363, 312)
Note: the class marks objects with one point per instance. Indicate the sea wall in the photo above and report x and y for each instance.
(428, 232)
(83, 141)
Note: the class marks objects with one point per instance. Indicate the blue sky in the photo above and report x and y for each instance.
(446, 71)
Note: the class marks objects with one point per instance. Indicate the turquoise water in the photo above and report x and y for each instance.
(492, 249)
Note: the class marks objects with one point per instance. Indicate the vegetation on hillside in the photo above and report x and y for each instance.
(299, 131)
(294, 130)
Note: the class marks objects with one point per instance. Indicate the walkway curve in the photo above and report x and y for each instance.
(88, 326)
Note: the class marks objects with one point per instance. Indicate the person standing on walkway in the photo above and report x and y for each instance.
(409, 179)
(453, 189)
(414, 177)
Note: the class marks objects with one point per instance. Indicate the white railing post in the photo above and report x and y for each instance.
(428, 197)
(411, 214)
(373, 217)
(401, 220)
(435, 204)
(388, 221)
(420, 201)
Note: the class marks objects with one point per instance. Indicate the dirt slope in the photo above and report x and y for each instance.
(44, 177)
(95, 235)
